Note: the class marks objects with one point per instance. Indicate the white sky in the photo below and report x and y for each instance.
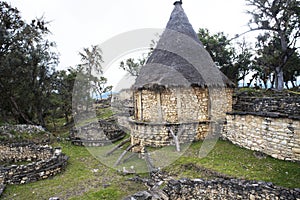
(76, 24)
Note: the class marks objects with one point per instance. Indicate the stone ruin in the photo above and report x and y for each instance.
(219, 188)
(27, 161)
(270, 125)
(96, 134)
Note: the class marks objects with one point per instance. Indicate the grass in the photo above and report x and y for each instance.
(237, 162)
(78, 181)
(87, 178)
(81, 181)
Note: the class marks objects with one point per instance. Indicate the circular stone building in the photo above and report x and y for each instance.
(180, 92)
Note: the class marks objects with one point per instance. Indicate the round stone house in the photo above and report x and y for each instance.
(180, 92)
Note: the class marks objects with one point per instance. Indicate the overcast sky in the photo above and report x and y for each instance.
(80, 23)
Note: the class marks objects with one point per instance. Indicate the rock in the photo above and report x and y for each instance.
(54, 198)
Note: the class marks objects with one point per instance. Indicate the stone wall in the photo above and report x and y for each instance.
(273, 135)
(227, 189)
(2, 184)
(12, 153)
(191, 109)
(220, 188)
(281, 103)
(220, 103)
(44, 163)
(95, 134)
(123, 108)
(24, 132)
(172, 105)
(158, 134)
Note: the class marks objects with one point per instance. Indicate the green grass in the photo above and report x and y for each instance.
(237, 162)
(104, 113)
(77, 181)
(87, 178)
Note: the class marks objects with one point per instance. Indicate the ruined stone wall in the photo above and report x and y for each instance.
(44, 163)
(220, 188)
(227, 190)
(24, 152)
(2, 184)
(96, 134)
(276, 136)
(281, 103)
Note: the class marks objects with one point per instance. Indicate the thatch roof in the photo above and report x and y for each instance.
(180, 59)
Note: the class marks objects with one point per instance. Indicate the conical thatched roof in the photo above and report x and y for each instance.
(180, 59)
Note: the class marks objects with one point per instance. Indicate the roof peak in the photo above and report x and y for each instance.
(178, 2)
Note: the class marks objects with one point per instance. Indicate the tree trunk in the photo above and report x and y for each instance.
(19, 112)
(279, 79)
(176, 140)
(293, 84)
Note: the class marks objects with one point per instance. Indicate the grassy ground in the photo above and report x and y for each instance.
(236, 162)
(86, 178)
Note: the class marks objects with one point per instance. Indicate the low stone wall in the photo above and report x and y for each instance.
(2, 184)
(265, 132)
(185, 189)
(220, 188)
(47, 162)
(12, 153)
(96, 133)
(284, 104)
(24, 132)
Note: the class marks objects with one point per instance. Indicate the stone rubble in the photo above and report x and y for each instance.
(219, 188)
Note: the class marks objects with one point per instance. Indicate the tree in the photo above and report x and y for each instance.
(133, 66)
(280, 20)
(87, 73)
(27, 62)
(100, 87)
(234, 61)
(243, 60)
(91, 60)
(61, 98)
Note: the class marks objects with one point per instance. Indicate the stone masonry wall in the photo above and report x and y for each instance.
(183, 104)
(44, 162)
(172, 105)
(190, 109)
(158, 135)
(24, 152)
(185, 189)
(276, 136)
(220, 103)
(99, 133)
(219, 188)
(283, 104)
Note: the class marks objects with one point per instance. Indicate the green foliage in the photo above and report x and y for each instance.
(280, 23)
(235, 61)
(132, 66)
(27, 60)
